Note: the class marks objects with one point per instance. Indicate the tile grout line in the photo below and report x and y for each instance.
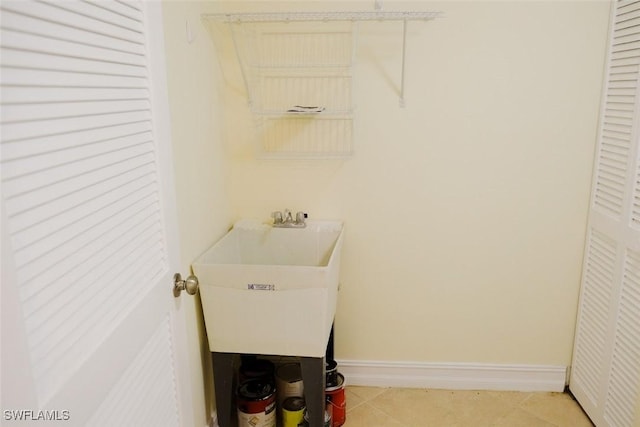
(530, 404)
(532, 412)
(370, 404)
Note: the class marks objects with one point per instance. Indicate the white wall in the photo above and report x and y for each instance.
(466, 210)
(201, 167)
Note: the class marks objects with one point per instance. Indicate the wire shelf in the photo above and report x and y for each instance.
(324, 16)
(299, 93)
(299, 76)
(296, 45)
(306, 137)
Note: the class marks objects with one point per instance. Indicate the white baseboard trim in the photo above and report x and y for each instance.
(454, 376)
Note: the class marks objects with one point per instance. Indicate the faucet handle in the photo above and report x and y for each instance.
(301, 217)
(277, 217)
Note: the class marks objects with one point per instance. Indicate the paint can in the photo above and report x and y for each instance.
(289, 382)
(327, 419)
(292, 411)
(256, 369)
(337, 400)
(331, 369)
(256, 404)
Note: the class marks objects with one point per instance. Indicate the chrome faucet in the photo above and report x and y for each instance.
(285, 219)
(288, 219)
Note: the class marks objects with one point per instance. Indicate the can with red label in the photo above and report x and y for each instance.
(256, 404)
(337, 400)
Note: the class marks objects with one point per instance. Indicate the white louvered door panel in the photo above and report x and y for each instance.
(591, 335)
(90, 329)
(605, 374)
(624, 377)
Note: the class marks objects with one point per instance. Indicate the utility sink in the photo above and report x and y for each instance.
(268, 290)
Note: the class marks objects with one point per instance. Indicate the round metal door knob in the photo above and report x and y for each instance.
(190, 284)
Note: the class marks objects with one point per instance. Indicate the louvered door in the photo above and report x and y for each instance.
(91, 334)
(605, 375)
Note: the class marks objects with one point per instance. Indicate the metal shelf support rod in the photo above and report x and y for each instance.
(324, 16)
(404, 52)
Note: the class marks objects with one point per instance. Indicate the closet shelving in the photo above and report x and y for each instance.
(374, 15)
(298, 71)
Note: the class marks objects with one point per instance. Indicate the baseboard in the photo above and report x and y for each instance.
(454, 376)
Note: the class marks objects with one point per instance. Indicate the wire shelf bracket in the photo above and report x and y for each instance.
(299, 77)
(376, 15)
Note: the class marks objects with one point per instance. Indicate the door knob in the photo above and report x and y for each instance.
(190, 284)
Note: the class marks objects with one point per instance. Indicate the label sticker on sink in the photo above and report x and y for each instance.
(261, 287)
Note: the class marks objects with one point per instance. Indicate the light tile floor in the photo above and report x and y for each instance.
(403, 407)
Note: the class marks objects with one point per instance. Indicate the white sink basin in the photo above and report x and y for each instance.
(269, 290)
